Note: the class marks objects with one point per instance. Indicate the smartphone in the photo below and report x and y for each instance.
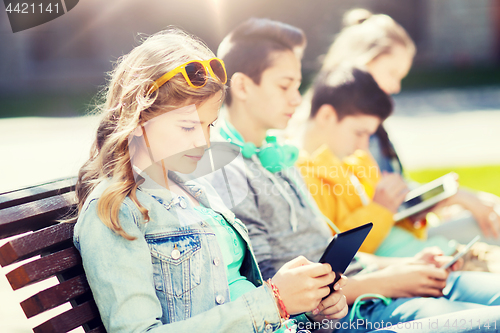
(343, 248)
(461, 253)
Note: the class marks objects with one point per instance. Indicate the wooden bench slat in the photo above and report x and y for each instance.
(70, 319)
(55, 296)
(35, 243)
(43, 268)
(37, 209)
(34, 215)
(37, 192)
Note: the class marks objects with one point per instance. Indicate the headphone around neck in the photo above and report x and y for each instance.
(272, 155)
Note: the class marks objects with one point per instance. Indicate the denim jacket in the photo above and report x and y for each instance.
(171, 277)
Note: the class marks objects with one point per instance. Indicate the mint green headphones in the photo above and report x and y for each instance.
(273, 156)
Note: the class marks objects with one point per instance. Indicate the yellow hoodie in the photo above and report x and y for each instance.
(330, 182)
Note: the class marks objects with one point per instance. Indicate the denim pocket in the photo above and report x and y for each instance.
(176, 262)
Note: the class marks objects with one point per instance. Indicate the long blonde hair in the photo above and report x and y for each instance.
(127, 105)
(366, 36)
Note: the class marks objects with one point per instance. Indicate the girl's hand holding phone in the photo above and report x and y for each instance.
(302, 284)
(334, 306)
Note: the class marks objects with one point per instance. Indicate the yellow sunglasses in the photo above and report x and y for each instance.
(195, 72)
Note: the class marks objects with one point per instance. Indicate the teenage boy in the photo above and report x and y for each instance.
(346, 109)
(264, 95)
(262, 59)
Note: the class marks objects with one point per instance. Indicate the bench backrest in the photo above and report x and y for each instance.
(35, 211)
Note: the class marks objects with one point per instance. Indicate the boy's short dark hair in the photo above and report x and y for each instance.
(248, 48)
(351, 91)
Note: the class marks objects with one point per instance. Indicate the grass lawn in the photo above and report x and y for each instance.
(482, 178)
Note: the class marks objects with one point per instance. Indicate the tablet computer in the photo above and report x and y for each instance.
(342, 249)
(426, 196)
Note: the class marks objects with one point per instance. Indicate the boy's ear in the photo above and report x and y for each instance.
(239, 86)
(326, 114)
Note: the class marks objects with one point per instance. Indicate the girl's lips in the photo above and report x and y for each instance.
(194, 157)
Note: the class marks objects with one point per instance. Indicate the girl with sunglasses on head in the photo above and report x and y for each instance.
(162, 253)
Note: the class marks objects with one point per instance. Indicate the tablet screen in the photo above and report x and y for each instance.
(420, 198)
(427, 195)
(344, 247)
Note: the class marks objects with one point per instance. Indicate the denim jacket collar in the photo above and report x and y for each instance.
(198, 191)
(168, 198)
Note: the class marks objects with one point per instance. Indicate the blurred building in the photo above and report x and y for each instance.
(72, 52)
(461, 33)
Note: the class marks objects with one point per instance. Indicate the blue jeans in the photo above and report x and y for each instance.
(472, 291)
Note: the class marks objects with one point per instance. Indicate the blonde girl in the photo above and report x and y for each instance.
(162, 253)
(376, 42)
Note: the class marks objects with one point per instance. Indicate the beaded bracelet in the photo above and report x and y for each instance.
(284, 314)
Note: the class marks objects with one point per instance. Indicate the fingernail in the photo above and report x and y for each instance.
(315, 311)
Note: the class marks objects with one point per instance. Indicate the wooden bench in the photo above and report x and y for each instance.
(34, 211)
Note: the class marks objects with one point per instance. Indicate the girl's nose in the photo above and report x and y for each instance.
(296, 98)
(396, 87)
(202, 138)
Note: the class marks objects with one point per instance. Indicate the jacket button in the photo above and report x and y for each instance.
(269, 328)
(219, 299)
(216, 261)
(175, 254)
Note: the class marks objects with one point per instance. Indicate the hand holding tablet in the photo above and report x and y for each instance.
(427, 195)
